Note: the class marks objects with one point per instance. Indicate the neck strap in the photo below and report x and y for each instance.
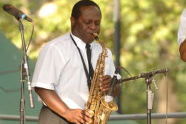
(83, 62)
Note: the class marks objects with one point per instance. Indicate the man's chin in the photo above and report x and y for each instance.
(90, 39)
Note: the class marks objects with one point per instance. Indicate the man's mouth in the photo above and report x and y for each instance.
(95, 36)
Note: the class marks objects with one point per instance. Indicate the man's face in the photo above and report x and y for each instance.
(87, 23)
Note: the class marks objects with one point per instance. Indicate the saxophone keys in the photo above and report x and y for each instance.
(91, 112)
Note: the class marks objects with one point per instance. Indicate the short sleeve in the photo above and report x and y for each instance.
(48, 67)
(182, 27)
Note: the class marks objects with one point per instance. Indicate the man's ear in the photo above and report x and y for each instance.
(72, 20)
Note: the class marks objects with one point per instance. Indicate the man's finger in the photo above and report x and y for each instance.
(106, 77)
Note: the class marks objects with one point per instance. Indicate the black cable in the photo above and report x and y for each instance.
(30, 37)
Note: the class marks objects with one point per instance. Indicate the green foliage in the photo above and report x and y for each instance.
(148, 39)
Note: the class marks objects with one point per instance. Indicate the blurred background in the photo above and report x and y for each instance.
(148, 41)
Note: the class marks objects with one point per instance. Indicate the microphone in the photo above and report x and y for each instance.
(16, 12)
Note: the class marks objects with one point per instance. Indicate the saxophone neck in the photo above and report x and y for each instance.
(99, 41)
(96, 36)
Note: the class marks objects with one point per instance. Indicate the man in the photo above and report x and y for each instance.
(59, 77)
(182, 36)
(182, 50)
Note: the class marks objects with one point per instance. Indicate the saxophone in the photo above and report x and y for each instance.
(99, 105)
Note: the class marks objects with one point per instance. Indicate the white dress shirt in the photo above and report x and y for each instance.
(59, 67)
(182, 27)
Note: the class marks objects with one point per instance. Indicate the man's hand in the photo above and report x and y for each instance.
(52, 100)
(77, 116)
(182, 50)
(105, 83)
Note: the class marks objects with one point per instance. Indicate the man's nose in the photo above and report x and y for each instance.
(93, 26)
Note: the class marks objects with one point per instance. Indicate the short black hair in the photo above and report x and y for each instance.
(76, 9)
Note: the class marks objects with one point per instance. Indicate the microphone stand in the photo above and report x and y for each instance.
(149, 94)
(150, 97)
(25, 76)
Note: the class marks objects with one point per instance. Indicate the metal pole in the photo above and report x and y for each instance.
(149, 102)
(22, 74)
(144, 116)
(181, 115)
(117, 28)
(117, 36)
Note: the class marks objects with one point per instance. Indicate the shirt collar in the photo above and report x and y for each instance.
(80, 43)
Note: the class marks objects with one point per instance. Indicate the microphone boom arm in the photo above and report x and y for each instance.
(144, 75)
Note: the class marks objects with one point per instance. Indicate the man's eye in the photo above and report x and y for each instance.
(97, 23)
(91, 22)
(87, 22)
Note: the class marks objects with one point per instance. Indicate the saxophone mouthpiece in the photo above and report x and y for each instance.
(96, 36)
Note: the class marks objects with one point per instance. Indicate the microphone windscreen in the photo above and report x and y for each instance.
(16, 12)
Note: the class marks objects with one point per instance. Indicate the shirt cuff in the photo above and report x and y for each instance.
(42, 85)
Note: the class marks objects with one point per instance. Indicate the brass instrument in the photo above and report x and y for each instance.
(99, 105)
